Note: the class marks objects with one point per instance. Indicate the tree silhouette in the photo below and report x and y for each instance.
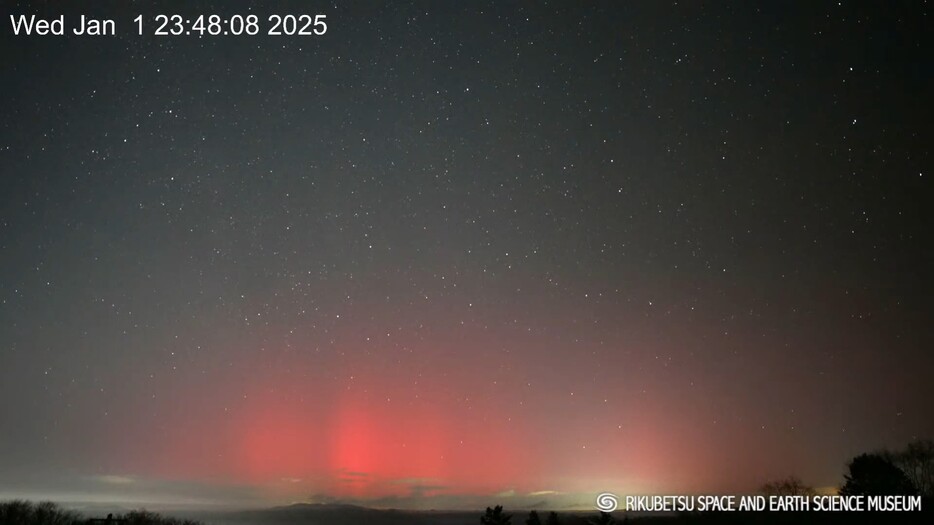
(533, 519)
(552, 519)
(790, 486)
(44, 513)
(605, 518)
(917, 462)
(875, 475)
(19, 512)
(495, 516)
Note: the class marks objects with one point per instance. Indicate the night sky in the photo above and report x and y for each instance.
(453, 255)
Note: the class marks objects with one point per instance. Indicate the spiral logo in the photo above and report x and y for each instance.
(607, 502)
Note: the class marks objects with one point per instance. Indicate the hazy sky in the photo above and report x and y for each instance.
(443, 253)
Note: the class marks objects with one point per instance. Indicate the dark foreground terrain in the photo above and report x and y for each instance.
(25, 513)
(308, 514)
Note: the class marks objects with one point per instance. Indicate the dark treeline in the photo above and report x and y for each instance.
(909, 472)
(18, 512)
